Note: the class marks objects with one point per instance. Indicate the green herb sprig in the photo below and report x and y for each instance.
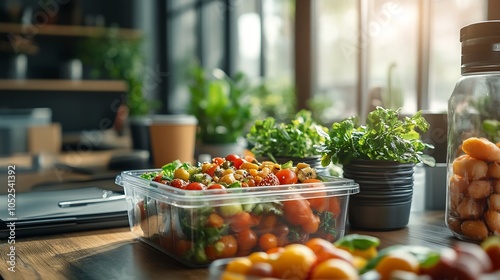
(385, 136)
(294, 139)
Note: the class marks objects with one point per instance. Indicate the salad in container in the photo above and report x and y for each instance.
(233, 206)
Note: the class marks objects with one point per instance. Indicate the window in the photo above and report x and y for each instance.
(249, 38)
(278, 36)
(444, 46)
(337, 55)
(356, 47)
(392, 41)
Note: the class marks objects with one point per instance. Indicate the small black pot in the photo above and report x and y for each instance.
(379, 217)
(386, 190)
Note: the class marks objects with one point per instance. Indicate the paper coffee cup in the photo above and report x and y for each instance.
(172, 137)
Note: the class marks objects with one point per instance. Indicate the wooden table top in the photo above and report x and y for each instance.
(117, 254)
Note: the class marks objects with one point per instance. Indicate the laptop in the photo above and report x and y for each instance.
(59, 211)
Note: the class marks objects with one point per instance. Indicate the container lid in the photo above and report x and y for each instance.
(480, 47)
(333, 186)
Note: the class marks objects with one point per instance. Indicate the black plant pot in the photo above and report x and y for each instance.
(384, 200)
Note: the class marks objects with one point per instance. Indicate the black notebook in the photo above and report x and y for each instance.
(57, 211)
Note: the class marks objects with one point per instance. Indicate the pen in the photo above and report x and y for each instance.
(83, 202)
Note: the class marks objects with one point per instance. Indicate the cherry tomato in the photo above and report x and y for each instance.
(320, 200)
(286, 176)
(212, 169)
(218, 160)
(247, 240)
(158, 178)
(256, 219)
(238, 162)
(267, 223)
(230, 246)
(240, 221)
(215, 220)
(235, 159)
(216, 187)
(281, 230)
(232, 157)
(312, 224)
(319, 203)
(195, 186)
(268, 241)
(297, 211)
(283, 240)
(225, 247)
(334, 205)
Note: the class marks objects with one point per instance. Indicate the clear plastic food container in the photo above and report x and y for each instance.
(198, 227)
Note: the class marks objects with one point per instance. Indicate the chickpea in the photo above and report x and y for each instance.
(181, 173)
(227, 171)
(228, 179)
(263, 173)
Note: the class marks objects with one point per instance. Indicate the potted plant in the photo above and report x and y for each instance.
(117, 56)
(223, 109)
(291, 141)
(380, 157)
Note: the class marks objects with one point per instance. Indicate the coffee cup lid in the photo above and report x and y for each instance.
(174, 119)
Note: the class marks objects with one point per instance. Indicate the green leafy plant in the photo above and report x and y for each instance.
(294, 139)
(116, 56)
(385, 136)
(221, 104)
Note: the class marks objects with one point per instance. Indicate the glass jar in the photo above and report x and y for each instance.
(473, 156)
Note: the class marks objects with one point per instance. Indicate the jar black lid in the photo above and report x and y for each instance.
(480, 47)
(480, 30)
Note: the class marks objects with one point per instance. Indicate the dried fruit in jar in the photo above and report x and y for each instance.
(473, 209)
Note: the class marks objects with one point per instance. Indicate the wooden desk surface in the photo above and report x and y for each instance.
(117, 254)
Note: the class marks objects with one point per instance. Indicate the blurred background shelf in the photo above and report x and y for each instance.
(64, 30)
(62, 85)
